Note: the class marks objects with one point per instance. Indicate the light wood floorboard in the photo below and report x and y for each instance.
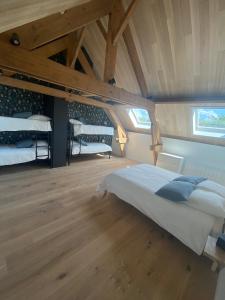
(60, 240)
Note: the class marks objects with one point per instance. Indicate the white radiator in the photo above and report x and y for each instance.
(170, 162)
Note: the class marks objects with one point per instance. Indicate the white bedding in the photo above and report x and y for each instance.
(137, 185)
(92, 130)
(18, 124)
(10, 155)
(91, 148)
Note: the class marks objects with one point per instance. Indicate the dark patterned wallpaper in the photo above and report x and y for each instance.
(90, 115)
(16, 100)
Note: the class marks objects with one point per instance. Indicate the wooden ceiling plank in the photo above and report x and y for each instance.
(45, 30)
(21, 84)
(25, 62)
(124, 22)
(102, 28)
(75, 43)
(135, 61)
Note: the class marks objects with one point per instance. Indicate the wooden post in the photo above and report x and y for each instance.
(156, 146)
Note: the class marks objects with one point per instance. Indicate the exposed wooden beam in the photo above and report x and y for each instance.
(190, 100)
(22, 61)
(102, 28)
(52, 48)
(21, 84)
(124, 21)
(75, 42)
(135, 61)
(111, 51)
(86, 66)
(121, 132)
(156, 146)
(47, 29)
(133, 54)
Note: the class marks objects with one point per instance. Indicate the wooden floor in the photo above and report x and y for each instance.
(60, 240)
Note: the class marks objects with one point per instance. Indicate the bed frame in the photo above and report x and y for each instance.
(79, 137)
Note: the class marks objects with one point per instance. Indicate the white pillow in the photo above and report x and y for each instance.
(39, 118)
(212, 186)
(75, 122)
(208, 202)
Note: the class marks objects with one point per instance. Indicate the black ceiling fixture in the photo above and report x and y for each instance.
(15, 40)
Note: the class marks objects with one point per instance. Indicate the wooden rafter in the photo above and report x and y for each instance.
(86, 66)
(124, 21)
(28, 63)
(135, 61)
(40, 32)
(75, 42)
(102, 28)
(21, 84)
(52, 48)
(133, 54)
(156, 146)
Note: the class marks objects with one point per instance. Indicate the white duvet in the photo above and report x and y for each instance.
(18, 124)
(91, 148)
(92, 130)
(188, 221)
(10, 155)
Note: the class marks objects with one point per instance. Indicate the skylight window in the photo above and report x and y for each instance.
(209, 121)
(140, 118)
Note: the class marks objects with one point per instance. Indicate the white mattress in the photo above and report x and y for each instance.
(10, 155)
(18, 124)
(91, 148)
(137, 185)
(92, 130)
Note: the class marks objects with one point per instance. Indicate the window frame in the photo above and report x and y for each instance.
(198, 130)
(135, 121)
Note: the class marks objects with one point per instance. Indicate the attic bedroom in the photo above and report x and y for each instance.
(112, 150)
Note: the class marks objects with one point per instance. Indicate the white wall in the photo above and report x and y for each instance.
(199, 159)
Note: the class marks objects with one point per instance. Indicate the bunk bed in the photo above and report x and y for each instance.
(39, 150)
(77, 147)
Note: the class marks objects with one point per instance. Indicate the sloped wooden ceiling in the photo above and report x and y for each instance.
(181, 46)
(14, 13)
(180, 43)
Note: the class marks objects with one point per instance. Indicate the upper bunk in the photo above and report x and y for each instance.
(34, 123)
(83, 129)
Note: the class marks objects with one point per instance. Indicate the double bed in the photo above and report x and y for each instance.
(137, 186)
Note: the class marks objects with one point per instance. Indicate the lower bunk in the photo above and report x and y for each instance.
(11, 154)
(89, 148)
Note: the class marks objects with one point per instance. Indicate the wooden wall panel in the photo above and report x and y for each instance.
(14, 13)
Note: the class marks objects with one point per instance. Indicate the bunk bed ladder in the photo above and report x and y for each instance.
(43, 146)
